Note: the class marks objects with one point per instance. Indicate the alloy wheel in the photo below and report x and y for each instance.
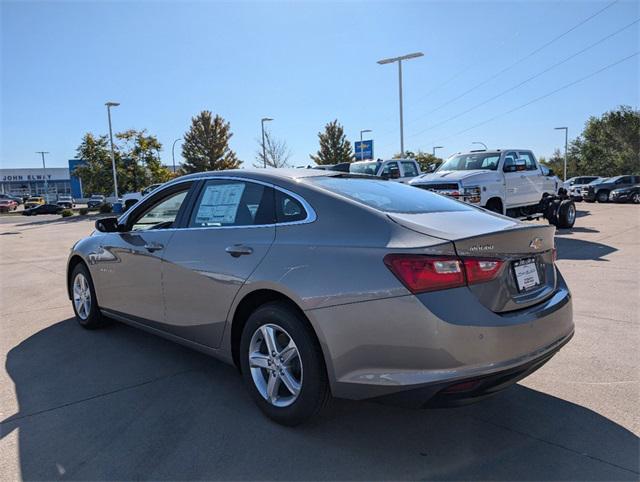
(571, 214)
(82, 296)
(636, 198)
(276, 366)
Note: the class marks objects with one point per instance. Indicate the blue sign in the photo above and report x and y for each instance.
(363, 150)
(75, 181)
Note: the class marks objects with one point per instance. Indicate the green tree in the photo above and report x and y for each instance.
(425, 159)
(334, 146)
(140, 159)
(609, 145)
(96, 173)
(206, 145)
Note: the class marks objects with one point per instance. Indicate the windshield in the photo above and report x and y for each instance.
(468, 162)
(389, 197)
(370, 168)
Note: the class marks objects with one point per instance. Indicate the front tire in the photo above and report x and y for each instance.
(566, 216)
(603, 196)
(282, 365)
(83, 298)
(636, 198)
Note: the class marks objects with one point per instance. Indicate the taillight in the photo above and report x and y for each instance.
(426, 273)
(480, 270)
(422, 273)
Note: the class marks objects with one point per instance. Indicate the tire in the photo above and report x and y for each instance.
(635, 199)
(305, 371)
(494, 205)
(566, 214)
(82, 287)
(603, 196)
(551, 212)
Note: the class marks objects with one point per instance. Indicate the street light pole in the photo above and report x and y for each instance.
(44, 170)
(482, 144)
(399, 60)
(113, 156)
(566, 145)
(361, 148)
(173, 154)
(264, 148)
(434, 149)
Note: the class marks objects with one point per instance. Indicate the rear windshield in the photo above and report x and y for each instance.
(389, 196)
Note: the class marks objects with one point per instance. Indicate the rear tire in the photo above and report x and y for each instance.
(566, 214)
(494, 205)
(284, 353)
(636, 198)
(83, 298)
(603, 196)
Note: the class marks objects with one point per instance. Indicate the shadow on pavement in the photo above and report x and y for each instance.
(56, 219)
(579, 249)
(121, 404)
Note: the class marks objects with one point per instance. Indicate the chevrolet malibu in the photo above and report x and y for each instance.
(318, 283)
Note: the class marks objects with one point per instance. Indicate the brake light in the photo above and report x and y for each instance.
(421, 273)
(480, 270)
(426, 273)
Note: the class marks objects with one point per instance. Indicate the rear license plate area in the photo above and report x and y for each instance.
(526, 274)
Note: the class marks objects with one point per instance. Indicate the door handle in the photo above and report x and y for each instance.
(238, 250)
(151, 247)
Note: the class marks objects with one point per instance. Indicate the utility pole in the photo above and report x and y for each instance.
(44, 170)
(399, 60)
(566, 146)
(434, 150)
(113, 156)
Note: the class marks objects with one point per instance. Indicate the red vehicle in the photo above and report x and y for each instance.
(7, 205)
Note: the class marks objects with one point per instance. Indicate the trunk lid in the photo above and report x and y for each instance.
(526, 249)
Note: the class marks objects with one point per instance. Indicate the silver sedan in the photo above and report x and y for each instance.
(317, 283)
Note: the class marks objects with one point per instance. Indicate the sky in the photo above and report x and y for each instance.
(501, 73)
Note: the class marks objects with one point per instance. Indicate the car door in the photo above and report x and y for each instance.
(534, 182)
(513, 180)
(129, 277)
(229, 232)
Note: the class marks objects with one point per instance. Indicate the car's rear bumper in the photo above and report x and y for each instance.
(379, 348)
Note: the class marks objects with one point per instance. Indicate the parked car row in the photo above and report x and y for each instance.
(615, 189)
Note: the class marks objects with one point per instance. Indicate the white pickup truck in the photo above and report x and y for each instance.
(401, 170)
(131, 198)
(506, 181)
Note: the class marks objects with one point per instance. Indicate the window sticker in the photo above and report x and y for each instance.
(219, 204)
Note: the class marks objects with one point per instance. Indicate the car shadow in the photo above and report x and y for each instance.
(70, 219)
(579, 249)
(119, 404)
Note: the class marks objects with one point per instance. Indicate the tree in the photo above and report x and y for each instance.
(425, 159)
(276, 150)
(609, 145)
(334, 146)
(206, 145)
(556, 163)
(96, 172)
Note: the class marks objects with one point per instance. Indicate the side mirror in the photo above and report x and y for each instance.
(107, 225)
(550, 173)
(521, 164)
(509, 165)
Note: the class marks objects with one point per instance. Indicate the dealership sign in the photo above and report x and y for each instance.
(34, 175)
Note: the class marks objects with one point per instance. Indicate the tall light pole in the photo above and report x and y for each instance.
(361, 148)
(566, 145)
(44, 170)
(482, 144)
(173, 154)
(399, 60)
(434, 149)
(264, 148)
(113, 155)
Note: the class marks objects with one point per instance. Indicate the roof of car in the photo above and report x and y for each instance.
(284, 173)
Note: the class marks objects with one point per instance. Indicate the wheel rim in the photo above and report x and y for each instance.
(636, 198)
(571, 214)
(81, 296)
(276, 366)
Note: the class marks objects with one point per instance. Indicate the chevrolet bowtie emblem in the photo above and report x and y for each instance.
(536, 243)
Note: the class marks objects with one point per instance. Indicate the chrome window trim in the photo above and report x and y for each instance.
(311, 213)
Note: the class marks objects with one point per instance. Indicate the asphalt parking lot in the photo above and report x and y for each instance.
(121, 404)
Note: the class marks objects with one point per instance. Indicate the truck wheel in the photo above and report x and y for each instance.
(603, 196)
(494, 205)
(566, 214)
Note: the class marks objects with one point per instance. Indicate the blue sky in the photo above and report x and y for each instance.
(304, 64)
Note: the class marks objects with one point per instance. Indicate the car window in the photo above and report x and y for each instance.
(409, 169)
(391, 169)
(390, 197)
(162, 214)
(225, 202)
(530, 163)
(289, 209)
